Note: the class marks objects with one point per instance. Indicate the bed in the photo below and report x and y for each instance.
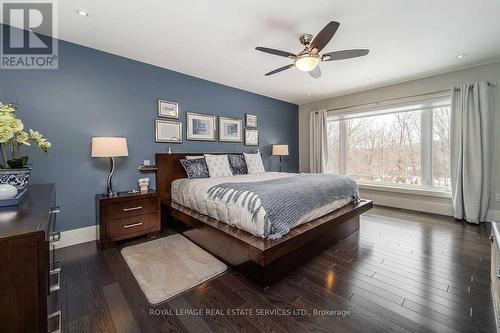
(240, 239)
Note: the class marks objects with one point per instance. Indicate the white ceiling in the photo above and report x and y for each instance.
(216, 39)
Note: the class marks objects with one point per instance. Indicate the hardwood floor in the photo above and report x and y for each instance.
(402, 272)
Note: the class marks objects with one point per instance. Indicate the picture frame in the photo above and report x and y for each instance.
(250, 120)
(168, 109)
(168, 131)
(201, 127)
(251, 137)
(230, 129)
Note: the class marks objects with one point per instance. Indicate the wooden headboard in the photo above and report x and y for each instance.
(169, 168)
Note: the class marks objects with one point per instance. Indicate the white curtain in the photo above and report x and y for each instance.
(472, 141)
(318, 135)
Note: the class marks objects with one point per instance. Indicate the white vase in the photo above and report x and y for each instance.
(7, 191)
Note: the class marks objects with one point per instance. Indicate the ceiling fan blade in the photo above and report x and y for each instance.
(345, 54)
(316, 72)
(276, 52)
(279, 69)
(324, 36)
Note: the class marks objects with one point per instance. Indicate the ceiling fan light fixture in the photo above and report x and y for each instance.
(306, 62)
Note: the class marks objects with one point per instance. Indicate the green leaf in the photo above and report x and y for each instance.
(18, 162)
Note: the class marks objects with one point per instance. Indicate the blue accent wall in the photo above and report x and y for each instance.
(94, 93)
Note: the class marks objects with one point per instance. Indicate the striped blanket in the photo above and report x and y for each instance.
(286, 200)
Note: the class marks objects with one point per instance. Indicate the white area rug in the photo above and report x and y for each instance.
(170, 265)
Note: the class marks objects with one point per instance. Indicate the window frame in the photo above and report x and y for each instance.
(423, 104)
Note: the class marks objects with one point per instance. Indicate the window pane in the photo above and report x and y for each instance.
(385, 148)
(333, 147)
(441, 176)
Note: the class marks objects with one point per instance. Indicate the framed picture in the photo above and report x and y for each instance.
(168, 109)
(251, 137)
(201, 127)
(168, 131)
(230, 129)
(250, 120)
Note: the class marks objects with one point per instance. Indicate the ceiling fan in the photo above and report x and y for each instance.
(308, 59)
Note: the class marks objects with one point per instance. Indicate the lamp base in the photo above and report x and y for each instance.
(109, 188)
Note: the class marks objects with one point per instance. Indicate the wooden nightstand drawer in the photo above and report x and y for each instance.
(131, 225)
(130, 208)
(127, 215)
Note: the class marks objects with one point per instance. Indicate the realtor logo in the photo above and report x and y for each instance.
(29, 35)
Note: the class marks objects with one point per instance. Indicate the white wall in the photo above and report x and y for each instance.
(490, 72)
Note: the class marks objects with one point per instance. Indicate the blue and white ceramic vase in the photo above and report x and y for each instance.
(15, 177)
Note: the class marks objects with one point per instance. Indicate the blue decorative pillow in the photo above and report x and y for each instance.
(238, 164)
(195, 168)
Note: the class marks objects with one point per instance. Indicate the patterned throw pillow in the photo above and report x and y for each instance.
(254, 163)
(218, 165)
(195, 168)
(238, 164)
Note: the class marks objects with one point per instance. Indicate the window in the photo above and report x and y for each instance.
(333, 147)
(441, 175)
(403, 145)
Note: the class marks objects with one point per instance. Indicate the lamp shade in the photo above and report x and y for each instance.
(280, 150)
(109, 147)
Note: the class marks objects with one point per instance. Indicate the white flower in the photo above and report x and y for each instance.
(44, 145)
(5, 120)
(23, 137)
(11, 122)
(6, 109)
(5, 134)
(15, 124)
(35, 135)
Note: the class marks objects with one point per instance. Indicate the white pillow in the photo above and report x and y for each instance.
(192, 157)
(254, 163)
(218, 165)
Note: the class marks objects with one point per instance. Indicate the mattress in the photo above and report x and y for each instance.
(193, 193)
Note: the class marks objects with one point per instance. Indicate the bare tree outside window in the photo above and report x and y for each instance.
(441, 175)
(387, 148)
(333, 147)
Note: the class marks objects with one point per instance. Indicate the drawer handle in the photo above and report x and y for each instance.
(57, 315)
(55, 210)
(132, 225)
(132, 208)
(56, 286)
(54, 237)
(56, 267)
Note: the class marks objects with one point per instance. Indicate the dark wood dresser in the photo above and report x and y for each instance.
(26, 266)
(127, 215)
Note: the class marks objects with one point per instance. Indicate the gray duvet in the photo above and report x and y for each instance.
(287, 200)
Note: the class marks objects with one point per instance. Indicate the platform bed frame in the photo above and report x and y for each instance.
(262, 260)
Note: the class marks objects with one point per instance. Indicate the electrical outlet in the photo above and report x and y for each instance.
(147, 162)
(498, 197)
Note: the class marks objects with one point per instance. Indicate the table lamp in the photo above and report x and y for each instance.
(280, 150)
(109, 147)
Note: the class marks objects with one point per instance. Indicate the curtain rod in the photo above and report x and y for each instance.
(490, 83)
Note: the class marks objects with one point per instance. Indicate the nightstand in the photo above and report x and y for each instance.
(127, 215)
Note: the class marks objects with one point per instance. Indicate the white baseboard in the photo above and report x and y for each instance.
(441, 206)
(77, 236)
